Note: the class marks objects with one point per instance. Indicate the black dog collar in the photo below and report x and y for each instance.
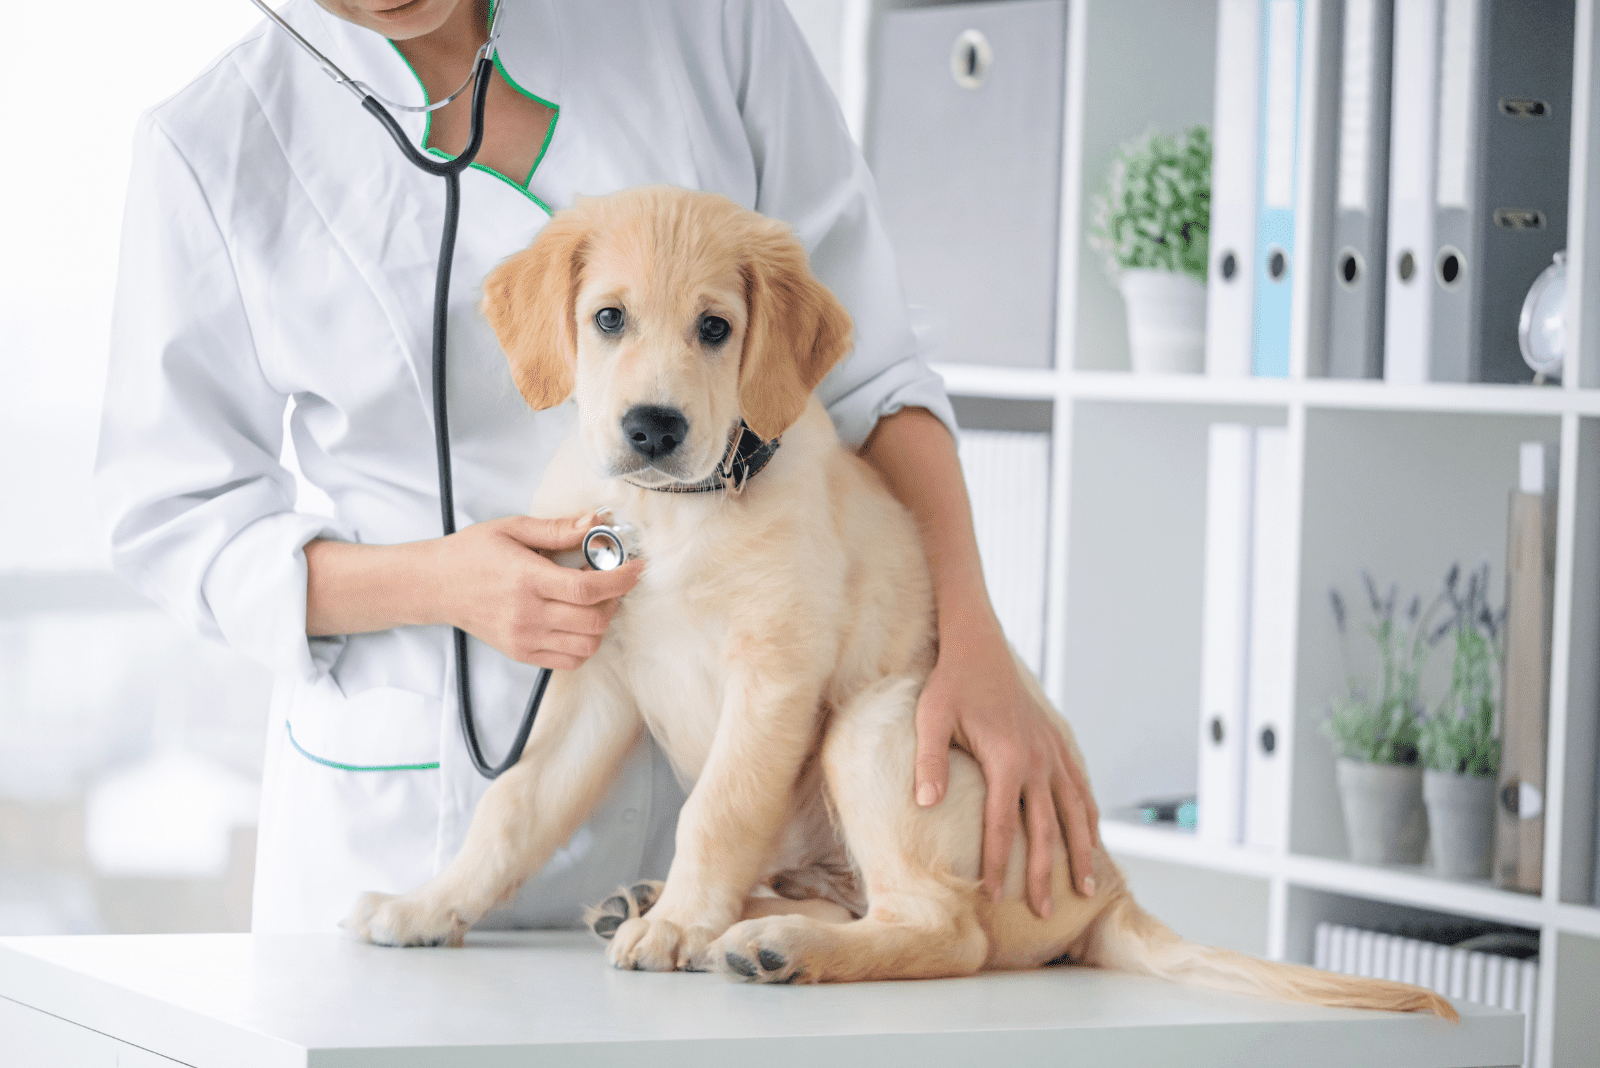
(747, 454)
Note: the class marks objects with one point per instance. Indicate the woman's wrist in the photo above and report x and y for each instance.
(356, 589)
(963, 609)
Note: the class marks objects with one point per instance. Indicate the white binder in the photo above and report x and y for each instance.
(1230, 292)
(1355, 319)
(1413, 138)
(1270, 693)
(1225, 631)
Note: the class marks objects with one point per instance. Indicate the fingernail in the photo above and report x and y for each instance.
(1045, 908)
(1088, 886)
(927, 794)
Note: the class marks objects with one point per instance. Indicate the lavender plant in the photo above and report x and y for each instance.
(1377, 720)
(1459, 736)
(1155, 210)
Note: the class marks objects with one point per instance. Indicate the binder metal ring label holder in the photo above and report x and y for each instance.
(970, 59)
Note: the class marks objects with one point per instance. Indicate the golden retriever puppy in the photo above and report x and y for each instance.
(775, 646)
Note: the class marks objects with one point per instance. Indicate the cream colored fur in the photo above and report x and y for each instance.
(775, 647)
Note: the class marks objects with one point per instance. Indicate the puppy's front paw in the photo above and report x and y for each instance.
(660, 945)
(626, 904)
(386, 920)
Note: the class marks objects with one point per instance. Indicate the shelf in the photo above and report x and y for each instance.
(1400, 884)
(972, 380)
(1579, 919)
(1182, 847)
(1446, 397)
(1418, 887)
(1010, 383)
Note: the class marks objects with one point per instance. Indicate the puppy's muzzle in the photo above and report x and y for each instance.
(653, 431)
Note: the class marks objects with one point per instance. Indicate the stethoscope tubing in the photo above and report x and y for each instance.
(450, 170)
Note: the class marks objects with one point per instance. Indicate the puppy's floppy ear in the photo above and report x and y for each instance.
(528, 300)
(797, 331)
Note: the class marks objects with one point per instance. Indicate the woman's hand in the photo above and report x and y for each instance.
(975, 698)
(493, 580)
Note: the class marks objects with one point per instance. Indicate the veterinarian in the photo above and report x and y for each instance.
(278, 257)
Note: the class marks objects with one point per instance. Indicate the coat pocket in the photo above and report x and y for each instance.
(379, 729)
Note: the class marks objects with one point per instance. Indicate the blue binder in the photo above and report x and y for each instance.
(1278, 126)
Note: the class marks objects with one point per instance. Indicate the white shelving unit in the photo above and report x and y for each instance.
(1403, 479)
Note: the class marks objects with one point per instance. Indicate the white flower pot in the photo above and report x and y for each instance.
(1384, 820)
(1166, 321)
(1461, 822)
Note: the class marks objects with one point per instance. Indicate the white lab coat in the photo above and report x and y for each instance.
(277, 247)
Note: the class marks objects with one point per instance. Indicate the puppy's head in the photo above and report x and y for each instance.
(669, 315)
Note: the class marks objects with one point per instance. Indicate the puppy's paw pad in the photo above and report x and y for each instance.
(750, 952)
(628, 903)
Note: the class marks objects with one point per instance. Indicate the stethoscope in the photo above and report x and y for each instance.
(604, 546)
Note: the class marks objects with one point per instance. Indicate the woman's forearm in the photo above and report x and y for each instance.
(355, 589)
(917, 458)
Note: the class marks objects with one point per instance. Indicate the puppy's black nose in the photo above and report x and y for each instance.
(654, 431)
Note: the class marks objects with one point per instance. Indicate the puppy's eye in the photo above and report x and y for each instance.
(609, 320)
(714, 330)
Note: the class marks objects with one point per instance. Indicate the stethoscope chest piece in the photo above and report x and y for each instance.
(603, 548)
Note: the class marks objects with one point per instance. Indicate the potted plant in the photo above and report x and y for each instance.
(1151, 225)
(1460, 754)
(1374, 729)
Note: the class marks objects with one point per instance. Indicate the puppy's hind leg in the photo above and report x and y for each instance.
(921, 919)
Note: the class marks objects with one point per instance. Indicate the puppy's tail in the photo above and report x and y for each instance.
(1129, 939)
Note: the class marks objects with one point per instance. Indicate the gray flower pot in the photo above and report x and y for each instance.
(1384, 820)
(1461, 817)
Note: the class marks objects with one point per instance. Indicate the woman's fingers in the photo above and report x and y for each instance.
(581, 619)
(548, 535)
(546, 645)
(1038, 809)
(1001, 812)
(1071, 809)
(935, 728)
(557, 583)
(1080, 783)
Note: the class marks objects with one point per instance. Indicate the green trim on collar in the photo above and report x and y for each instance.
(549, 133)
(353, 767)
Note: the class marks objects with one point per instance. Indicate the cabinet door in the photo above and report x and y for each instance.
(39, 1040)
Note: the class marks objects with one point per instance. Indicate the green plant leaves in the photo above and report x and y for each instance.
(1155, 209)
(1381, 720)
